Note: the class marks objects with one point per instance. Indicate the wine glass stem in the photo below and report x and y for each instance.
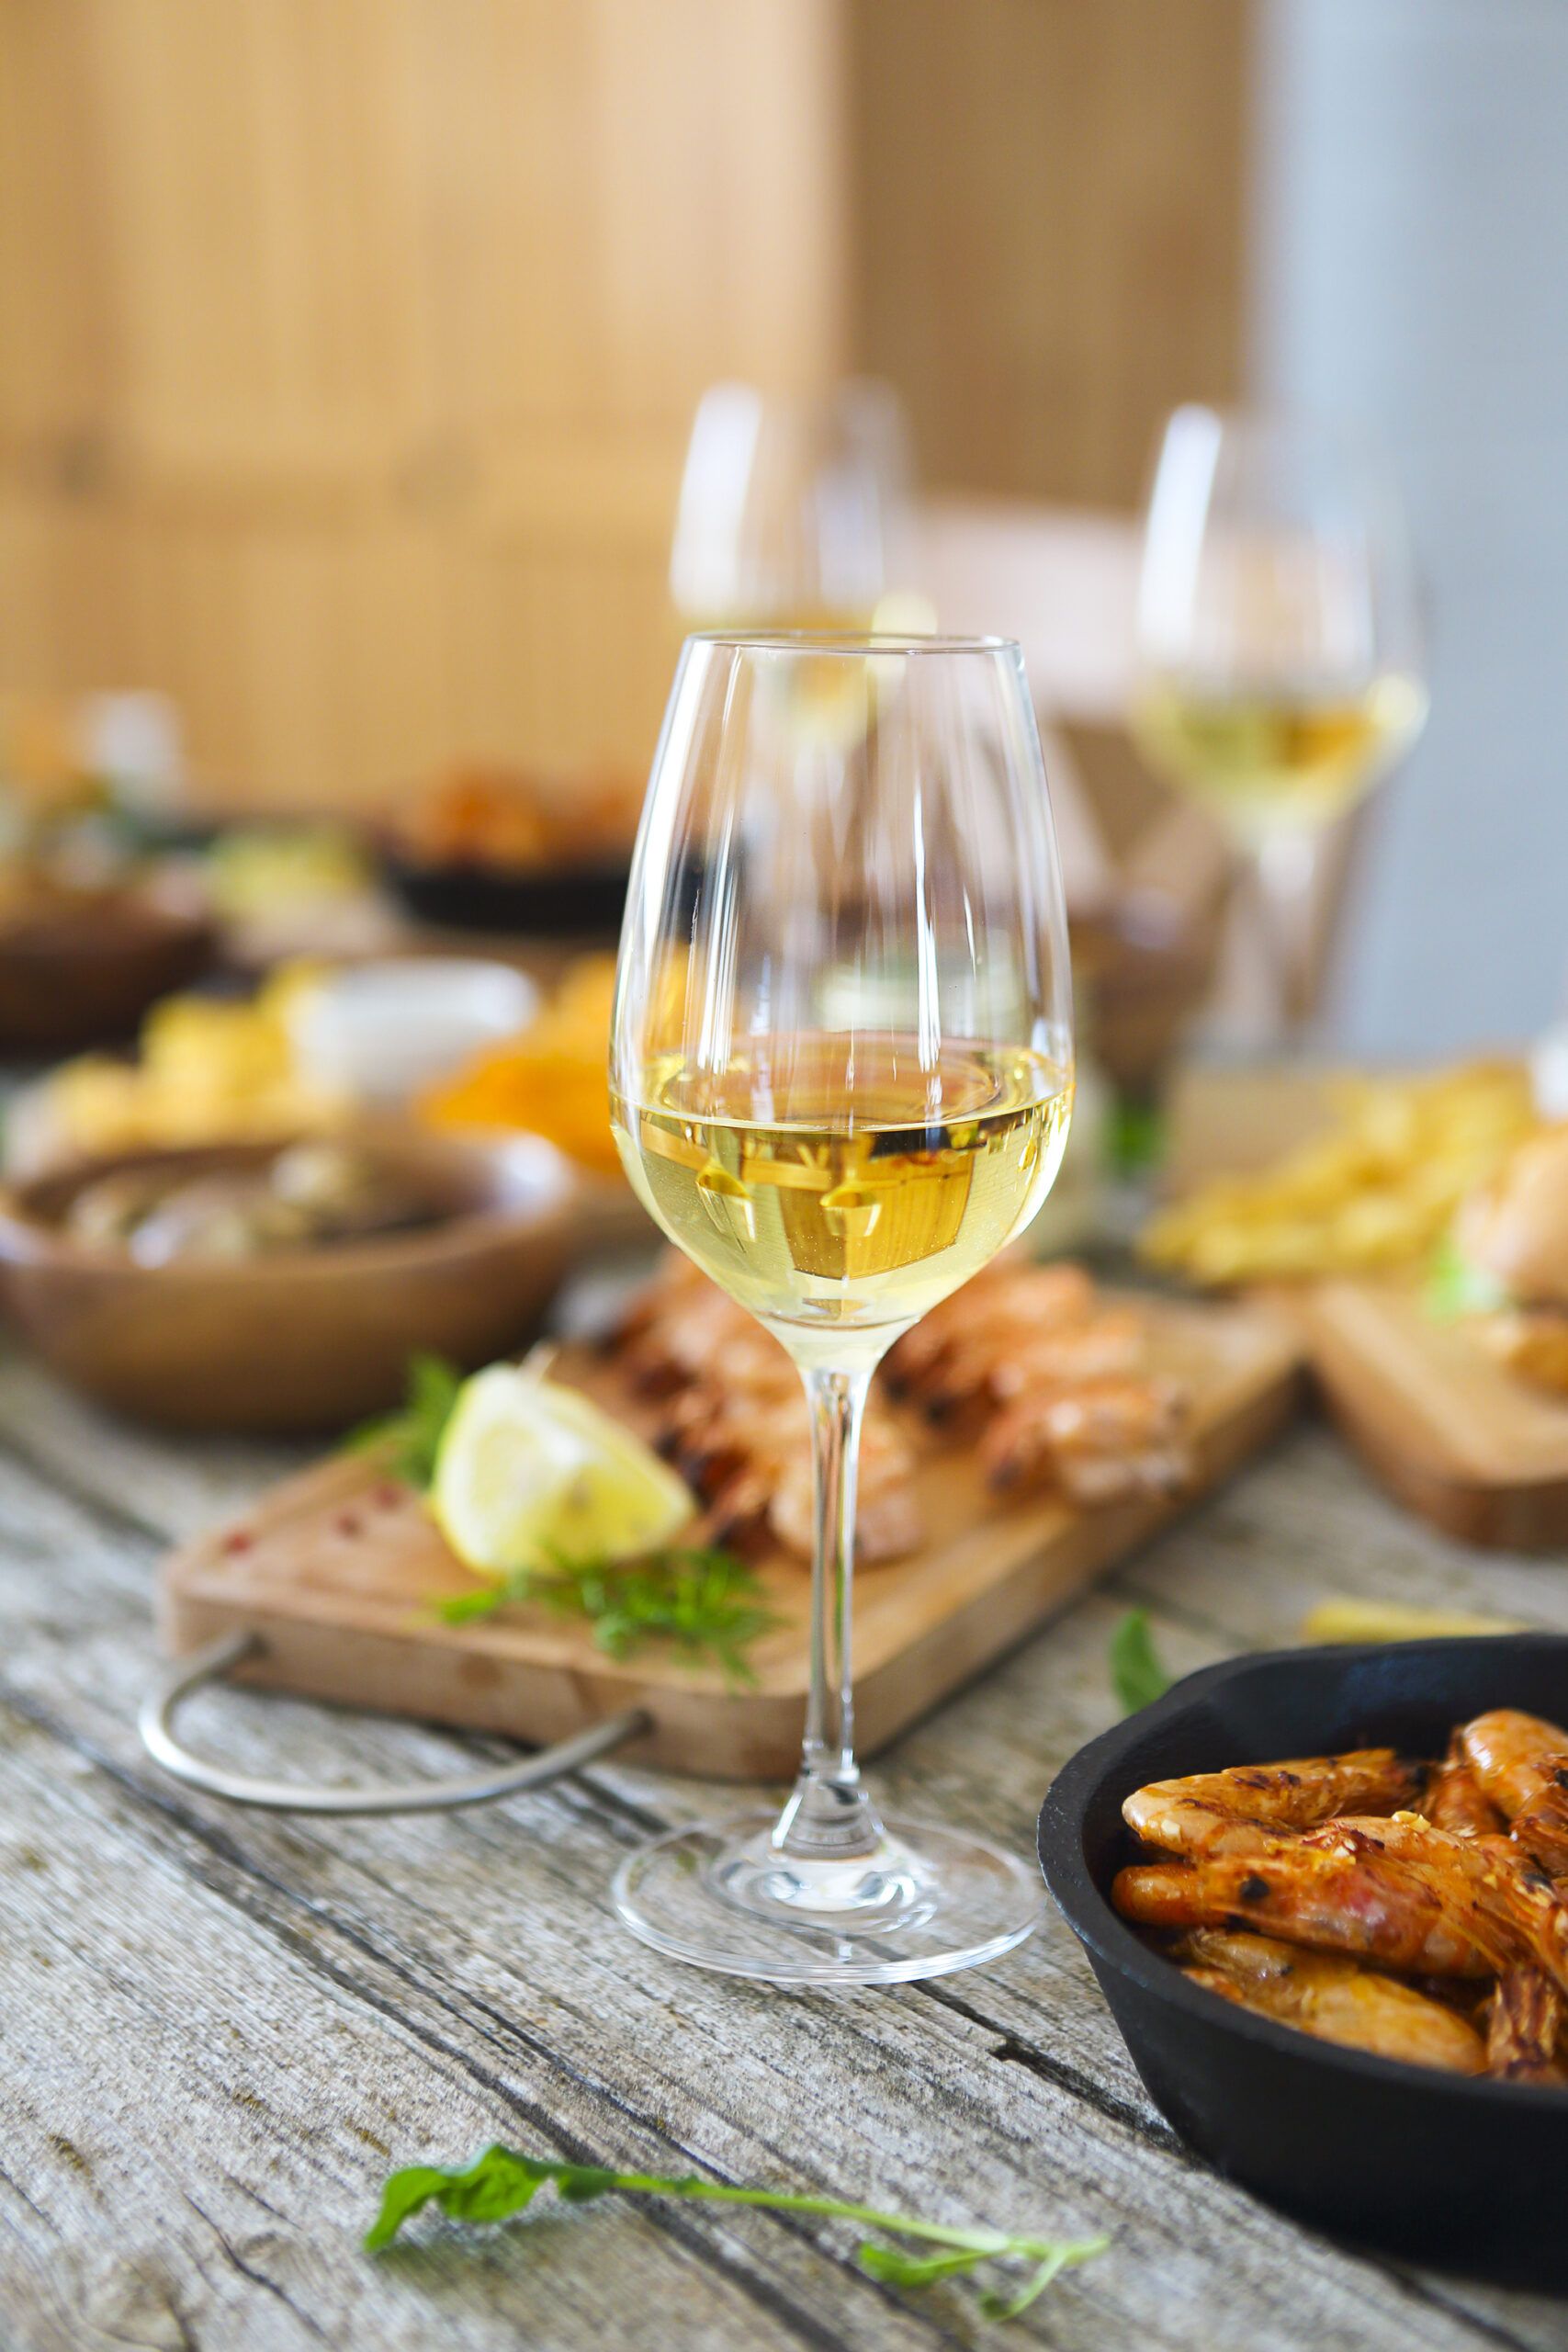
(829, 1814)
(1286, 866)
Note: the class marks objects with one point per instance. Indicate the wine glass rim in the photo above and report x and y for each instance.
(857, 644)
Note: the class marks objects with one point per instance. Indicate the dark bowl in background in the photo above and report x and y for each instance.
(1464, 2173)
(553, 902)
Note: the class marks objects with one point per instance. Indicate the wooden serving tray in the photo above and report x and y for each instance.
(1468, 1443)
(336, 1570)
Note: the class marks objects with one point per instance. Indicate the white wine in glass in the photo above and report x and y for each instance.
(1278, 653)
(841, 1081)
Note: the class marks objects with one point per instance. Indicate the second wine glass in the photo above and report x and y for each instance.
(1279, 652)
(841, 1081)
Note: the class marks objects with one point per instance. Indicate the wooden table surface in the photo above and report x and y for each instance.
(220, 2030)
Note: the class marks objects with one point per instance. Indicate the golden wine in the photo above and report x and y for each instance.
(839, 1211)
(1267, 761)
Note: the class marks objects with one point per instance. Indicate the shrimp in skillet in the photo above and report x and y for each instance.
(1333, 1997)
(1359, 1903)
(1235, 1812)
(1521, 1762)
(1523, 2021)
(1455, 1799)
(1485, 1885)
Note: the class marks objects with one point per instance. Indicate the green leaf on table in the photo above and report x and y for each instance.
(1457, 1286)
(497, 2184)
(410, 1437)
(1136, 1675)
(501, 2182)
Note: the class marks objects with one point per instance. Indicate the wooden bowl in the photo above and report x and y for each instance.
(83, 974)
(296, 1339)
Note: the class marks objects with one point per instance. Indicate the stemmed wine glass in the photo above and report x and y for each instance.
(840, 1075)
(1278, 647)
(794, 507)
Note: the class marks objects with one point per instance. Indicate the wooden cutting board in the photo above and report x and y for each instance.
(1474, 1448)
(336, 1571)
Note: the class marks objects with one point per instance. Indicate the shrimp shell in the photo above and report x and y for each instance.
(1484, 1884)
(1521, 1762)
(1332, 1901)
(1522, 2023)
(1334, 1998)
(1233, 1812)
(1455, 1799)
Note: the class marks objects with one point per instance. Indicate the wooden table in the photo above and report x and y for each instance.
(219, 2031)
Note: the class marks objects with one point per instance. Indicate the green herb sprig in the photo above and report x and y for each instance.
(501, 2182)
(1137, 1676)
(703, 1600)
(410, 1437)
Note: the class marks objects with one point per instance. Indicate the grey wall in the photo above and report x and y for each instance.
(1411, 272)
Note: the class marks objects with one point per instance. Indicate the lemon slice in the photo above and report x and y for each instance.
(529, 1472)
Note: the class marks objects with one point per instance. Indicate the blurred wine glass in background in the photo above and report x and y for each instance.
(1277, 652)
(794, 509)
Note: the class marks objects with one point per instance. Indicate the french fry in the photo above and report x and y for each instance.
(1377, 1193)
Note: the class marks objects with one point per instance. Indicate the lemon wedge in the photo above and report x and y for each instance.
(529, 1472)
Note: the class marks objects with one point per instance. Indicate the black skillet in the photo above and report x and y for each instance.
(1467, 2174)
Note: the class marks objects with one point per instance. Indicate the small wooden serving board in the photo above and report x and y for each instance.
(337, 1569)
(1475, 1449)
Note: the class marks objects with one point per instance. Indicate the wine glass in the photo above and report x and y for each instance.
(793, 507)
(1278, 652)
(841, 1076)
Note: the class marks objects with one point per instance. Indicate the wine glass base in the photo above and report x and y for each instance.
(928, 1900)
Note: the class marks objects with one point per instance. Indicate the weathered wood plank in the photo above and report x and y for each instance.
(206, 2179)
(504, 1914)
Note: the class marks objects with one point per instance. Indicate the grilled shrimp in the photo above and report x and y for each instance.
(1235, 1812)
(684, 1336)
(1521, 1762)
(1350, 1902)
(1455, 1799)
(1005, 1305)
(1485, 1885)
(995, 1364)
(1109, 1438)
(1523, 2019)
(1333, 1997)
(888, 1516)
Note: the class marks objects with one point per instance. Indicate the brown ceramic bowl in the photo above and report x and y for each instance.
(84, 974)
(299, 1338)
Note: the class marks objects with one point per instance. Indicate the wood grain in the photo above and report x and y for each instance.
(272, 1991)
(338, 1571)
(347, 355)
(1050, 210)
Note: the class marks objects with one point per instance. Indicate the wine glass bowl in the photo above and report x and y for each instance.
(1279, 656)
(793, 506)
(841, 1081)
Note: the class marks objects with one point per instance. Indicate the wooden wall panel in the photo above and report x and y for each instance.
(348, 348)
(1052, 204)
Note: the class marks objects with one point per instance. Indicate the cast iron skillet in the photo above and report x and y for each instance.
(1464, 2173)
